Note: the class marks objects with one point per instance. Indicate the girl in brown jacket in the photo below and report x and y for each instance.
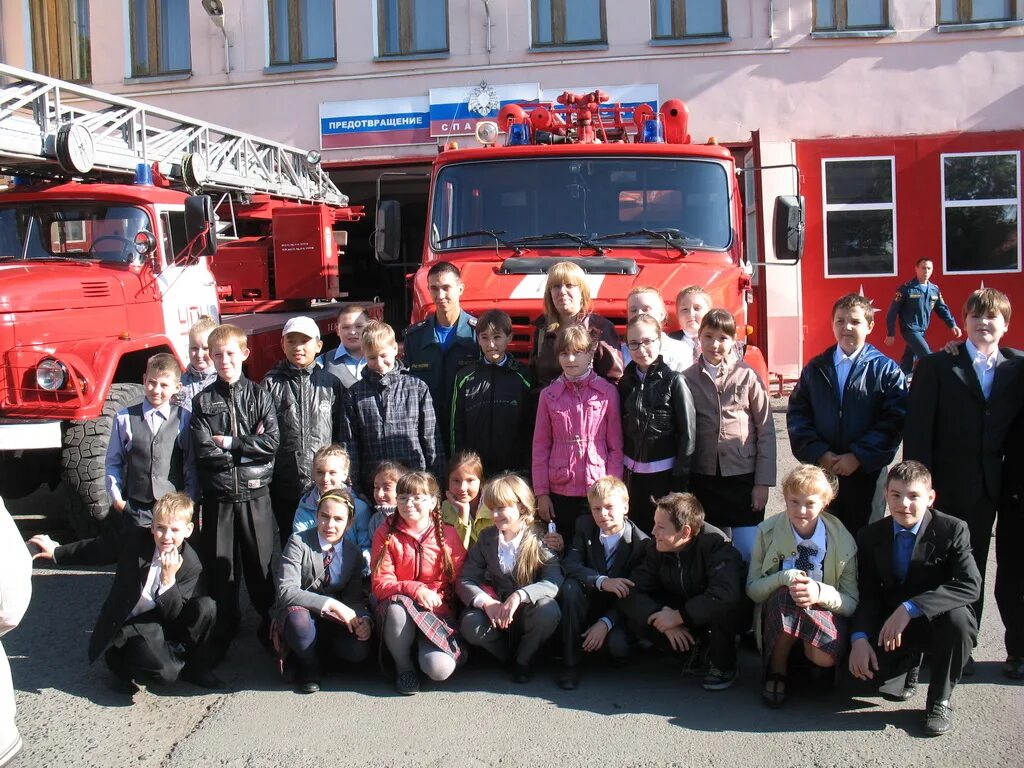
(734, 462)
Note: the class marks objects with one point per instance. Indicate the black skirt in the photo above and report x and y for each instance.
(726, 500)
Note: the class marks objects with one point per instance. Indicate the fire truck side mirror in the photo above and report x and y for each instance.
(387, 235)
(200, 220)
(788, 234)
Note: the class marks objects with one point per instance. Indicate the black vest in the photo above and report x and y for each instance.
(155, 463)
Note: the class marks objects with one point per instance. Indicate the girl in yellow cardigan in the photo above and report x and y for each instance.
(462, 508)
(803, 579)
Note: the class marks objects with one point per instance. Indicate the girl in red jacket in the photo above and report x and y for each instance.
(416, 560)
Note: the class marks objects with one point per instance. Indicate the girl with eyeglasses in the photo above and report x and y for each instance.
(658, 422)
(416, 560)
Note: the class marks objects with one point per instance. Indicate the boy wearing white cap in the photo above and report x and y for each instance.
(309, 413)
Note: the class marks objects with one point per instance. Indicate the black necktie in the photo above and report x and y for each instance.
(804, 555)
(328, 559)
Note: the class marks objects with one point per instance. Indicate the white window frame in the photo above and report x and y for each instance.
(826, 208)
(978, 204)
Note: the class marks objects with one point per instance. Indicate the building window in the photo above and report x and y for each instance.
(412, 27)
(160, 39)
(60, 39)
(981, 212)
(860, 216)
(568, 22)
(301, 31)
(675, 19)
(842, 15)
(971, 11)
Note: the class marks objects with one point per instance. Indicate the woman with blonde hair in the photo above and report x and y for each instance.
(567, 302)
(510, 579)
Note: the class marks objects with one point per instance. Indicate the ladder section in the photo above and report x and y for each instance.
(53, 129)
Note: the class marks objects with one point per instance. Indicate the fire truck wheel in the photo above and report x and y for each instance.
(82, 457)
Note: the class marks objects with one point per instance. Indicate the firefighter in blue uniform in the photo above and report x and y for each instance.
(436, 348)
(913, 305)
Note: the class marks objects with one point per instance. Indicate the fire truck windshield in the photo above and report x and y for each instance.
(608, 199)
(70, 230)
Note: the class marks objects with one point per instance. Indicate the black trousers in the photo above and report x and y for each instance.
(852, 504)
(147, 650)
(643, 488)
(947, 639)
(237, 542)
(720, 631)
(567, 510)
(1010, 576)
(284, 502)
(581, 607)
(980, 517)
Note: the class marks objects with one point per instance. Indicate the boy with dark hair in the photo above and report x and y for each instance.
(960, 412)
(437, 347)
(846, 412)
(235, 434)
(150, 453)
(917, 580)
(606, 547)
(913, 304)
(490, 406)
(690, 586)
(309, 413)
(155, 623)
(389, 414)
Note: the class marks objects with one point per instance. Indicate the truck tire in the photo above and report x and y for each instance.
(82, 456)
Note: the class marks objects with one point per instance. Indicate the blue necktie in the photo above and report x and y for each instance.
(903, 550)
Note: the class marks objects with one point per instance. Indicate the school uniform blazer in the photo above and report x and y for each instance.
(775, 542)
(585, 559)
(954, 431)
(482, 569)
(942, 573)
(300, 576)
(132, 550)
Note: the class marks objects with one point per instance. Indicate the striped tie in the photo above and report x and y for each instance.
(328, 559)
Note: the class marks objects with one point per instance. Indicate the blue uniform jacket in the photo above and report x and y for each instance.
(425, 360)
(869, 423)
(913, 304)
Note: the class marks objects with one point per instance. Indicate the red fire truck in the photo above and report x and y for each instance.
(621, 191)
(106, 258)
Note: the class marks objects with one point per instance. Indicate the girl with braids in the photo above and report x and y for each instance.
(510, 580)
(320, 610)
(416, 560)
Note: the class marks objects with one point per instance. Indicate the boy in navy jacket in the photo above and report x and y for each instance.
(847, 410)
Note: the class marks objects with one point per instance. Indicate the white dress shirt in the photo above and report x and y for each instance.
(844, 364)
(152, 588)
(984, 367)
(508, 551)
(818, 540)
(338, 560)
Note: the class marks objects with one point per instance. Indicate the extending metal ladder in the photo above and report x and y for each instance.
(53, 129)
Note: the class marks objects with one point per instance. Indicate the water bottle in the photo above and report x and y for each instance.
(551, 527)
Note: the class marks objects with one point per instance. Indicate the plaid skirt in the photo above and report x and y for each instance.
(819, 627)
(435, 628)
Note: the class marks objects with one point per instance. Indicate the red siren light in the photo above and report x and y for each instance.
(510, 113)
(676, 116)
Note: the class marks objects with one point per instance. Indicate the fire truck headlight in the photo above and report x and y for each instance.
(51, 375)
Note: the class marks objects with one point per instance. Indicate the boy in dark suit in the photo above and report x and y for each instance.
(154, 624)
(605, 549)
(917, 581)
(689, 586)
(960, 411)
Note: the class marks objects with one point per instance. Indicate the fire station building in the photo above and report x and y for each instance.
(900, 123)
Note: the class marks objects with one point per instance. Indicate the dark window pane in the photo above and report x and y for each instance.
(865, 13)
(317, 29)
(663, 18)
(858, 181)
(174, 37)
(582, 20)
(948, 12)
(980, 177)
(703, 17)
(990, 10)
(860, 242)
(430, 31)
(279, 52)
(542, 8)
(826, 18)
(980, 238)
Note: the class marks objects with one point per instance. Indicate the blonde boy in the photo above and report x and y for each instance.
(605, 548)
(389, 413)
(235, 435)
(150, 453)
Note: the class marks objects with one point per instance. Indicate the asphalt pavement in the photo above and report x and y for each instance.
(645, 714)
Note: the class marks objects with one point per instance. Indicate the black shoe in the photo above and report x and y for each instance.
(569, 679)
(407, 683)
(938, 718)
(204, 678)
(1014, 667)
(124, 686)
(719, 679)
(969, 667)
(909, 686)
(309, 686)
(522, 673)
